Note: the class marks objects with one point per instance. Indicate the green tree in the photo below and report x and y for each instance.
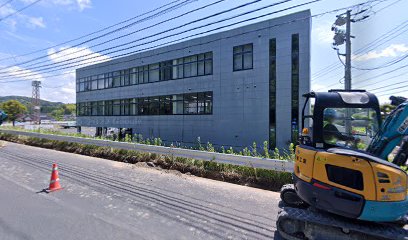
(58, 114)
(386, 109)
(14, 110)
(69, 108)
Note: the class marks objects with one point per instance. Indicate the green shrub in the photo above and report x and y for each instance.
(263, 178)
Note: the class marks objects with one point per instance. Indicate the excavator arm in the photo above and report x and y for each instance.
(3, 116)
(392, 137)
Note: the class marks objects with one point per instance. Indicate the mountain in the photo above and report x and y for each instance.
(46, 106)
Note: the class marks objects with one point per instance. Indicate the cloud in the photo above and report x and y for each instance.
(20, 73)
(60, 88)
(29, 21)
(36, 22)
(79, 4)
(83, 55)
(323, 33)
(393, 50)
(82, 4)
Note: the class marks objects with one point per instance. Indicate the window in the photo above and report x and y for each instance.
(109, 80)
(116, 108)
(177, 102)
(133, 76)
(154, 73)
(295, 87)
(88, 84)
(165, 105)
(116, 79)
(190, 103)
(108, 108)
(125, 107)
(350, 127)
(243, 57)
(272, 93)
(208, 102)
(185, 67)
(154, 106)
(101, 81)
(101, 108)
(143, 106)
(166, 70)
(208, 63)
(133, 107)
(81, 84)
(146, 74)
(178, 68)
(94, 108)
(190, 66)
(126, 78)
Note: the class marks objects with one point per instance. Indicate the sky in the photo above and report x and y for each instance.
(33, 40)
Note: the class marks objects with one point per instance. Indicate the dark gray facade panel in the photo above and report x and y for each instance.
(240, 114)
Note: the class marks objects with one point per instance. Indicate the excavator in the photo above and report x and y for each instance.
(349, 179)
(3, 117)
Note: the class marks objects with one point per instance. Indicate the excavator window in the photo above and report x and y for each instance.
(349, 127)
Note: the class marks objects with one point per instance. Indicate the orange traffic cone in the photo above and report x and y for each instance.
(54, 182)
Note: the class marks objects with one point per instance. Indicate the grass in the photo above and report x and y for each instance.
(138, 138)
(243, 175)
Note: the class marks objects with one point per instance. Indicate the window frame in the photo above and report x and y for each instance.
(241, 52)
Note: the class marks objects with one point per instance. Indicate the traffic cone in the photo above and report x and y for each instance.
(54, 182)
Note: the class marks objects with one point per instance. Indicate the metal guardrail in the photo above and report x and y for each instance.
(256, 162)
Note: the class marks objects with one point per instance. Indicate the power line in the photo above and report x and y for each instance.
(4, 4)
(20, 10)
(385, 65)
(392, 89)
(394, 93)
(390, 85)
(131, 33)
(382, 74)
(391, 34)
(105, 34)
(377, 42)
(229, 25)
(336, 10)
(165, 37)
(92, 33)
(329, 68)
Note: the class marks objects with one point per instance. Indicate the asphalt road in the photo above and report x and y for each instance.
(104, 199)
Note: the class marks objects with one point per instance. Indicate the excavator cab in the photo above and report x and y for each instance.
(348, 119)
(334, 172)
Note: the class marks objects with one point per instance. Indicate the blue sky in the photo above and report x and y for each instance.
(51, 22)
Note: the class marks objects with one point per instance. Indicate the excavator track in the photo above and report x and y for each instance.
(306, 224)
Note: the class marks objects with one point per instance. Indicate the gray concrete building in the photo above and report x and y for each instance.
(231, 88)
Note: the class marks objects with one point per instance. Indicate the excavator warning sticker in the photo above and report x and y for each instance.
(404, 126)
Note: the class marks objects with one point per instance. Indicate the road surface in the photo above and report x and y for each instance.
(104, 199)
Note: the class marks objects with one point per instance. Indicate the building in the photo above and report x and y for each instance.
(231, 88)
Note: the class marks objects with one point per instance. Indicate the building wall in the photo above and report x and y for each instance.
(240, 99)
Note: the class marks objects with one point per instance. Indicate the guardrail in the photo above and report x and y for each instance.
(256, 162)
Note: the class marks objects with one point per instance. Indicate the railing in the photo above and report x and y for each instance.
(256, 162)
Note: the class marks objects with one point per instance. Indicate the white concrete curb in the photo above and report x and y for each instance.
(256, 162)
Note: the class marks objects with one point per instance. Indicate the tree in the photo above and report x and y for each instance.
(386, 109)
(14, 110)
(58, 114)
(69, 108)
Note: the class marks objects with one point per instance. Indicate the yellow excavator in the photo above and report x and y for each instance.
(348, 180)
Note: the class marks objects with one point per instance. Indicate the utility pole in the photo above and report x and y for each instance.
(344, 37)
(347, 74)
(35, 102)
